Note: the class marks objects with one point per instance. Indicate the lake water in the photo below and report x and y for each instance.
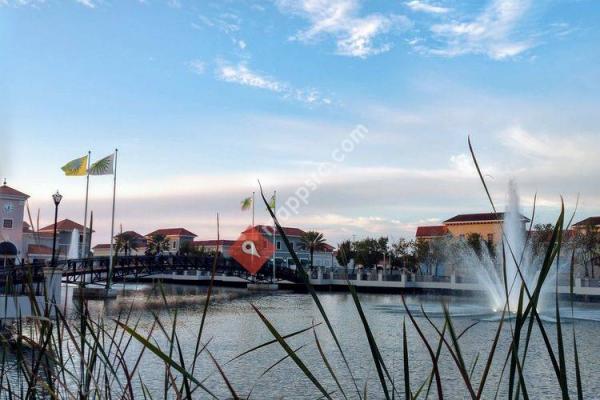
(232, 326)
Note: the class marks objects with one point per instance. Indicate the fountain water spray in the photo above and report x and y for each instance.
(74, 245)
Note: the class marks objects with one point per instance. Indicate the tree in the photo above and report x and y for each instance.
(588, 243)
(474, 241)
(403, 252)
(313, 241)
(126, 242)
(367, 252)
(383, 246)
(345, 253)
(540, 238)
(187, 249)
(157, 244)
(421, 251)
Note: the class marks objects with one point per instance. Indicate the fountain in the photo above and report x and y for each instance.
(74, 245)
(519, 256)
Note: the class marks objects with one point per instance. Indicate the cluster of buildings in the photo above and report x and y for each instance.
(20, 242)
(489, 227)
(179, 239)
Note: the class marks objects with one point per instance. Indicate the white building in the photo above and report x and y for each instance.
(12, 203)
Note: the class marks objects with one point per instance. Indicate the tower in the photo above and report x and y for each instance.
(12, 207)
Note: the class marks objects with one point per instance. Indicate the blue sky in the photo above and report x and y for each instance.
(203, 98)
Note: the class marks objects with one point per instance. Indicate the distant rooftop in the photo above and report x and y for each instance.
(481, 217)
(431, 231)
(287, 230)
(8, 191)
(172, 232)
(66, 225)
(213, 242)
(588, 221)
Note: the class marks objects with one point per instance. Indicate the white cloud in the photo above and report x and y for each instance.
(198, 66)
(241, 44)
(417, 5)
(242, 75)
(87, 3)
(355, 35)
(494, 32)
(228, 23)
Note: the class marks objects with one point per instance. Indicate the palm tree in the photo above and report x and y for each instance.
(157, 244)
(313, 241)
(126, 242)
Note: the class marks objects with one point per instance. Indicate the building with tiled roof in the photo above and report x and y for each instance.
(212, 245)
(487, 225)
(66, 225)
(428, 233)
(138, 242)
(177, 237)
(12, 207)
(324, 257)
(584, 225)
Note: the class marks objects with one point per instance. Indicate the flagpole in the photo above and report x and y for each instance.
(274, 231)
(87, 190)
(253, 209)
(112, 226)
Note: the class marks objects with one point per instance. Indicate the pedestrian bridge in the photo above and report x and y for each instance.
(94, 270)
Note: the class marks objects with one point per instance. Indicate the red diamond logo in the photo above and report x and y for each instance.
(252, 250)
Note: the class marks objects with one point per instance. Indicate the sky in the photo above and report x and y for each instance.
(356, 112)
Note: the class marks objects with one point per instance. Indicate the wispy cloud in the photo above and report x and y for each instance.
(355, 35)
(242, 75)
(494, 32)
(87, 3)
(197, 66)
(225, 22)
(421, 6)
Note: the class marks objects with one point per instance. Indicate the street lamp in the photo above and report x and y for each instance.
(57, 197)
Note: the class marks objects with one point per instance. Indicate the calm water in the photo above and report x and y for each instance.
(234, 327)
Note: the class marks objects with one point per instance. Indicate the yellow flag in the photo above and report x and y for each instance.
(77, 167)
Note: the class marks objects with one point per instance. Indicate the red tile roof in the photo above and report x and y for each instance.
(172, 232)
(101, 246)
(431, 231)
(39, 249)
(66, 225)
(481, 217)
(269, 230)
(134, 235)
(8, 191)
(588, 221)
(328, 248)
(200, 243)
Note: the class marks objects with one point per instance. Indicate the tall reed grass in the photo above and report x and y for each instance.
(90, 357)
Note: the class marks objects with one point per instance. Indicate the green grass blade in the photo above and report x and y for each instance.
(310, 288)
(291, 353)
(372, 343)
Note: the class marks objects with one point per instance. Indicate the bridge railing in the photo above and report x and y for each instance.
(22, 280)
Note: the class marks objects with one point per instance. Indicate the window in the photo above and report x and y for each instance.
(7, 224)
(278, 245)
(490, 237)
(174, 245)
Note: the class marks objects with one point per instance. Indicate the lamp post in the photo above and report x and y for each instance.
(57, 197)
